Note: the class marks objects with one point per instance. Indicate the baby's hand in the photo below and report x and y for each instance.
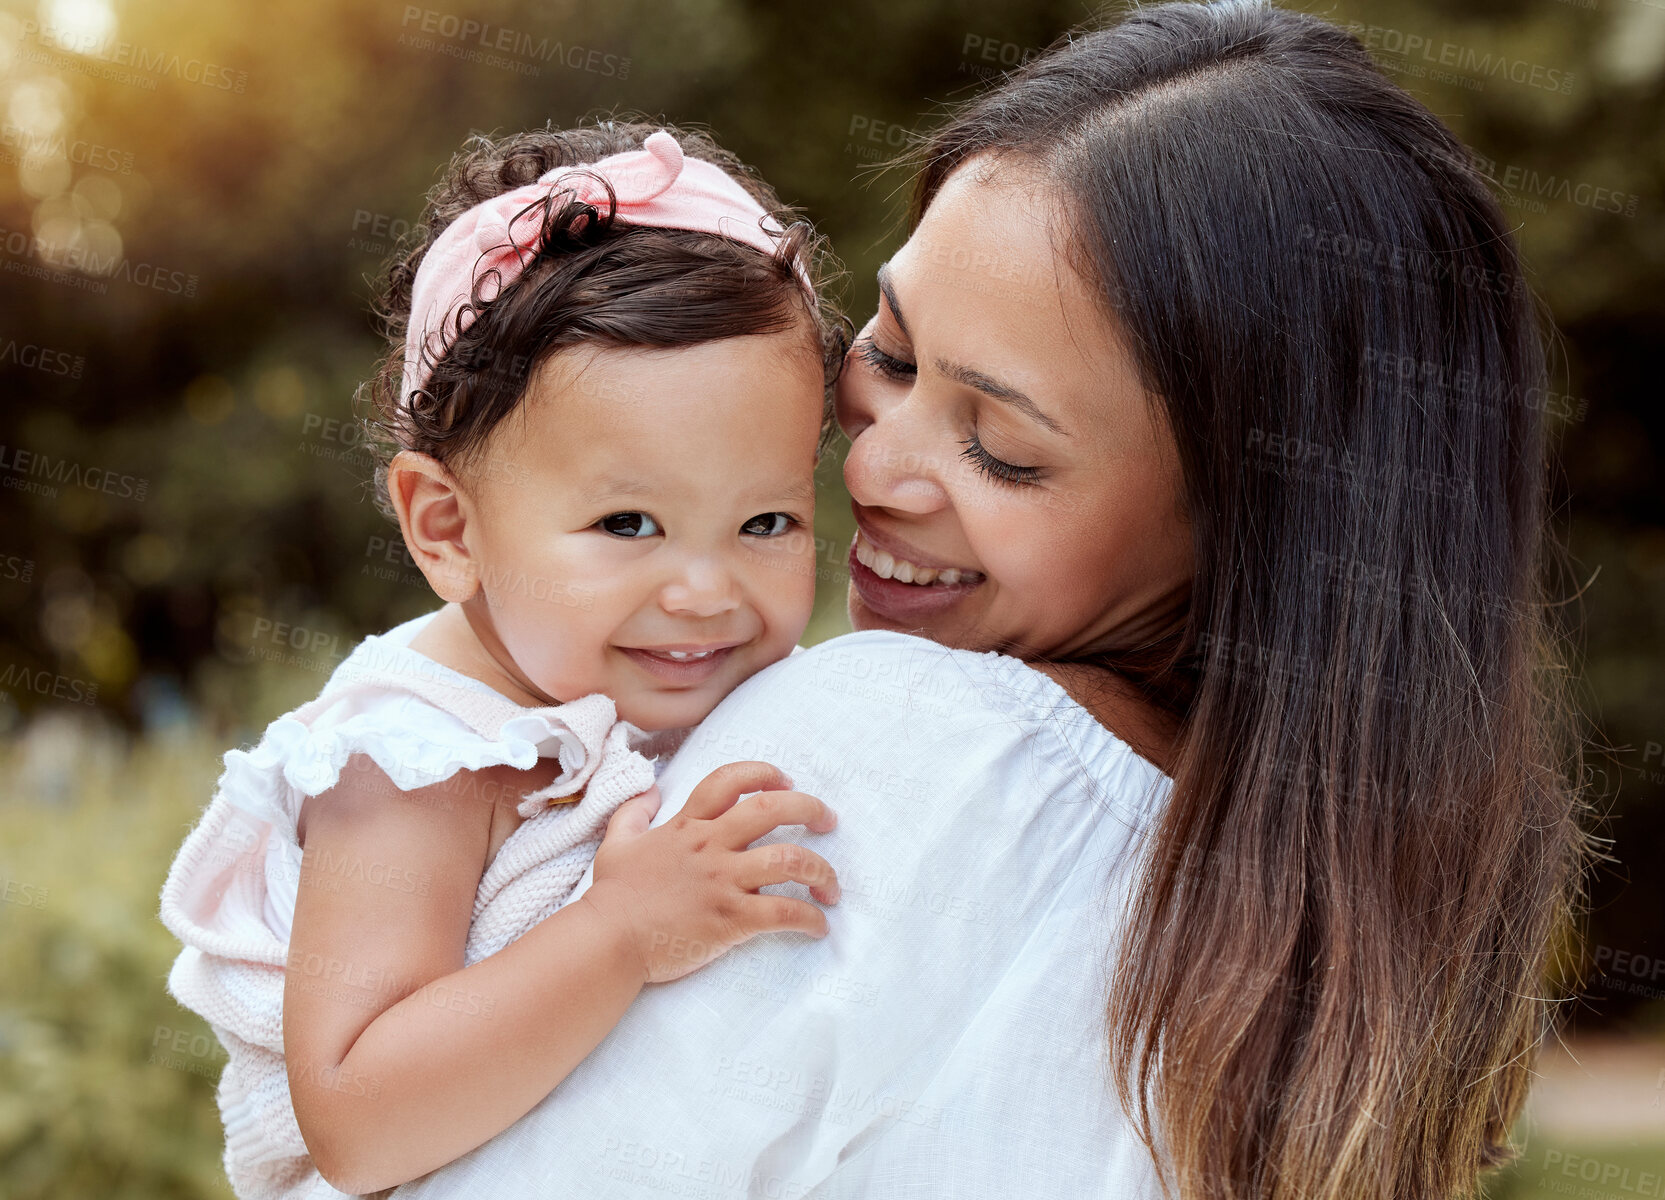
(687, 891)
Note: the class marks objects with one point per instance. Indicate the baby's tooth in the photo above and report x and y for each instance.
(883, 564)
(924, 574)
(948, 575)
(903, 572)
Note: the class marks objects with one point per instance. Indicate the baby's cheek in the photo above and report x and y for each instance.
(561, 645)
(797, 599)
(780, 579)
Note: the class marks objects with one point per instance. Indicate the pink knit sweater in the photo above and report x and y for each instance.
(230, 894)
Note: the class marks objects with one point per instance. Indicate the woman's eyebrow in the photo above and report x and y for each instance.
(889, 291)
(970, 376)
(989, 386)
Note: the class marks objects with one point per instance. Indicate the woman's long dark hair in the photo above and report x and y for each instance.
(1334, 980)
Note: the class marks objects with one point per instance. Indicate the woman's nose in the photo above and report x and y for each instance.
(704, 588)
(894, 462)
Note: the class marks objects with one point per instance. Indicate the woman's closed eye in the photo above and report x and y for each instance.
(629, 525)
(978, 456)
(887, 365)
(899, 369)
(769, 524)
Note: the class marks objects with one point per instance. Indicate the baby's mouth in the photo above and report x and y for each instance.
(686, 664)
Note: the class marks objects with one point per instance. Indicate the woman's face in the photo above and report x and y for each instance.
(1014, 487)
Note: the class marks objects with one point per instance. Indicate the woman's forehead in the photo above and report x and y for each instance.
(986, 281)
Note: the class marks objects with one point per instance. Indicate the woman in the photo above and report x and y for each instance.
(1195, 432)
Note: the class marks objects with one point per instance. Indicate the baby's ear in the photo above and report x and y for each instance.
(433, 516)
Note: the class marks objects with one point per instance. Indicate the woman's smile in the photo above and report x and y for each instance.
(897, 583)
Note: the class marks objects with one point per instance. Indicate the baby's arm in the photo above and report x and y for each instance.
(399, 1058)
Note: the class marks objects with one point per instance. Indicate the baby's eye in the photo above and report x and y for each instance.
(629, 525)
(768, 524)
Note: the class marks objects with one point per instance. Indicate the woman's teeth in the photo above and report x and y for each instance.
(887, 566)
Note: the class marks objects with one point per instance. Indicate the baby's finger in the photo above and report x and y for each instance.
(784, 862)
(717, 792)
(633, 816)
(765, 914)
(757, 815)
(649, 800)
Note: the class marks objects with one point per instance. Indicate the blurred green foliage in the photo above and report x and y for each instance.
(245, 168)
(106, 1084)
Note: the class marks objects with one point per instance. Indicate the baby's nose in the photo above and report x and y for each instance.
(702, 589)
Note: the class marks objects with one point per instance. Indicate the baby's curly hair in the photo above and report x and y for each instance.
(590, 280)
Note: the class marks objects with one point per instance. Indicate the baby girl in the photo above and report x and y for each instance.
(603, 408)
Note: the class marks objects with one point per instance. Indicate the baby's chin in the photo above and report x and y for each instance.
(654, 714)
(654, 710)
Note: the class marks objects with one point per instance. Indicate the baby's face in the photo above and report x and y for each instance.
(644, 521)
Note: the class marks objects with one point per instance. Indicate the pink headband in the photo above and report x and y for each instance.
(655, 186)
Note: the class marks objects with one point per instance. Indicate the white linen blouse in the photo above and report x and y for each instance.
(947, 1037)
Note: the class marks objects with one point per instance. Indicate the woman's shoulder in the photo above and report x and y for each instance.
(921, 706)
(885, 667)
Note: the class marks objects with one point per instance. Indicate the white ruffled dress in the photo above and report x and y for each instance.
(230, 894)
